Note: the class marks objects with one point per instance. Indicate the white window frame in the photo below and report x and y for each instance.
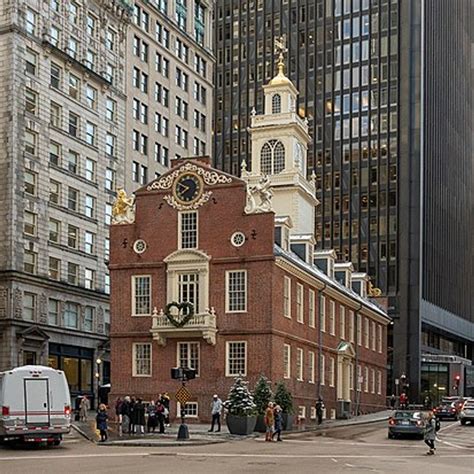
(351, 326)
(359, 330)
(134, 309)
(180, 229)
(366, 379)
(332, 318)
(311, 307)
(194, 403)
(189, 344)
(299, 303)
(379, 382)
(286, 361)
(227, 291)
(322, 313)
(287, 297)
(342, 322)
(332, 372)
(380, 339)
(299, 364)
(366, 333)
(373, 339)
(311, 360)
(322, 368)
(134, 359)
(301, 412)
(372, 380)
(227, 364)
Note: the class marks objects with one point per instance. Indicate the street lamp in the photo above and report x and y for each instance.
(97, 376)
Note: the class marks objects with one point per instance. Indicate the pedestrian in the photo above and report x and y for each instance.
(84, 407)
(319, 410)
(152, 422)
(160, 413)
(165, 401)
(133, 415)
(118, 406)
(269, 420)
(101, 421)
(393, 401)
(125, 415)
(139, 412)
(427, 402)
(278, 422)
(403, 401)
(216, 410)
(430, 432)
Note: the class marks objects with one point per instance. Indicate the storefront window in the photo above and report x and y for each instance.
(53, 362)
(71, 369)
(86, 375)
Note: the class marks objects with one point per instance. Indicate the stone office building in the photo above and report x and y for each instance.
(62, 134)
(242, 252)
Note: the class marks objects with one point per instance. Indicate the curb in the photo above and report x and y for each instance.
(339, 425)
(161, 444)
(82, 433)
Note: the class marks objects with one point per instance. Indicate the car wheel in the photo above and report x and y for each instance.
(463, 421)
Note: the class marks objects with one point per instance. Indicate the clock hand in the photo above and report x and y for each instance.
(181, 186)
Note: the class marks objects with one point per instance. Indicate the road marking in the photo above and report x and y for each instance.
(448, 427)
(73, 456)
(334, 460)
(452, 444)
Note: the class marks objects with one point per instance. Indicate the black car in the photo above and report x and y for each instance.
(446, 411)
(406, 422)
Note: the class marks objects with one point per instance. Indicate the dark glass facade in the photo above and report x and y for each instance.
(387, 87)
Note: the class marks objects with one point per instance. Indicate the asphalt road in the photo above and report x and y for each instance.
(359, 449)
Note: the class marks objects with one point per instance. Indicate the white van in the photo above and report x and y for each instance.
(35, 405)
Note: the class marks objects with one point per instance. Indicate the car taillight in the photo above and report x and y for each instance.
(391, 421)
(67, 410)
(5, 411)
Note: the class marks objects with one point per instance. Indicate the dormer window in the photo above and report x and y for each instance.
(272, 157)
(276, 104)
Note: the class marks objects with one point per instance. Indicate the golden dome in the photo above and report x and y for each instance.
(280, 78)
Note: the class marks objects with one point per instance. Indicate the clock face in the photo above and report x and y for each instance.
(188, 188)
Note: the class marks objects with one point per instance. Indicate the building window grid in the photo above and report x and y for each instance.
(299, 364)
(236, 291)
(311, 367)
(188, 355)
(188, 289)
(311, 309)
(188, 230)
(141, 295)
(332, 318)
(286, 361)
(287, 297)
(299, 303)
(236, 360)
(142, 360)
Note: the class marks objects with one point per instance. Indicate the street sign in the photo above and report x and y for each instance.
(183, 396)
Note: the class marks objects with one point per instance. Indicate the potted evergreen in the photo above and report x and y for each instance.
(262, 394)
(284, 398)
(241, 414)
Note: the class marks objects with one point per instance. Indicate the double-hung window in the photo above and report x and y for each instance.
(188, 289)
(141, 295)
(287, 297)
(236, 358)
(188, 223)
(141, 360)
(311, 318)
(236, 294)
(286, 361)
(188, 355)
(299, 302)
(299, 364)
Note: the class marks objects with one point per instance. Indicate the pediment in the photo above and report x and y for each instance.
(210, 176)
(346, 349)
(33, 333)
(187, 256)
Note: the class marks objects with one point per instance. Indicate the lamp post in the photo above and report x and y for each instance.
(97, 376)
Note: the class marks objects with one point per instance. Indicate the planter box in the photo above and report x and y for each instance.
(260, 427)
(241, 425)
(287, 421)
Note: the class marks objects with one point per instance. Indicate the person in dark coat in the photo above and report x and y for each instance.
(124, 427)
(133, 415)
(160, 413)
(152, 422)
(101, 421)
(165, 401)
(393, 401)
(319, 410)
(278, 422)
(139, 417)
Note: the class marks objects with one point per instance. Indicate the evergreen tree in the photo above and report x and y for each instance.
(284, 398)
(262, 394)
(240, 401)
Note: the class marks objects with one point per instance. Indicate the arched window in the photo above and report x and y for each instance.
(272, 157)
(276, 104)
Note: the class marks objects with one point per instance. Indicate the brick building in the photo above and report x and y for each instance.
(242, 251)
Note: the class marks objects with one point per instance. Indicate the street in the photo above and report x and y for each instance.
(357, 449)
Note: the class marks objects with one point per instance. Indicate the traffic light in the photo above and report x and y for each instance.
(457, 381)
(183, 374)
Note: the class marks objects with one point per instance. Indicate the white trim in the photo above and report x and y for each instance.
(134, 359)
(178, 409)
(287, 364)
(311, 308)
(300, 303)
(178, 346)
(322, 311)
(133, 306)
(227, 344)
(180, 236)
(311, 362)
(322, 369)
(332, 318)
(300, 368)
(302, 412)
(287, 288)
(227, 299)
(342, 321)
(332, 371)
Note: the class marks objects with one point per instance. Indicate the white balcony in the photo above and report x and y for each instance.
(200, 325)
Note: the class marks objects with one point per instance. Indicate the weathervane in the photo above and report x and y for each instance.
(281, 49)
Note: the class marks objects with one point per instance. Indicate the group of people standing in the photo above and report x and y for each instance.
(273, 420)
(133, 415)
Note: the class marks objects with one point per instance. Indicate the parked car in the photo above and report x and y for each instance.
(446, 410)
(406, 422)
(467, 412)
(458, 401)
(35, 405)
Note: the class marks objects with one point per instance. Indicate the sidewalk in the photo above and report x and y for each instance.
(200, 436)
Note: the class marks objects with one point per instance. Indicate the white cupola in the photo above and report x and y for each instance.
(279, 150)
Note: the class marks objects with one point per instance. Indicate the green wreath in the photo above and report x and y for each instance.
(187, 315)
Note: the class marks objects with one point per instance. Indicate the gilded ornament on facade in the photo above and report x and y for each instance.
(123, 211)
